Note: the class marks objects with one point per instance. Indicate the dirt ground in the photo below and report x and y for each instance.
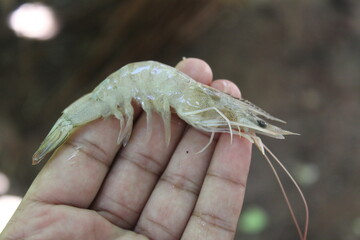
(299, 60)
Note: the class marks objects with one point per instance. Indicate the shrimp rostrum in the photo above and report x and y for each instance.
(163, 89)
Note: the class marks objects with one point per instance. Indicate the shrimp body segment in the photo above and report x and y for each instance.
(162, 89)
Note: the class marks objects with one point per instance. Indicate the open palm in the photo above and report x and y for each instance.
(93, 189)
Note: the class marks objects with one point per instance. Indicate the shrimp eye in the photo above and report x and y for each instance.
(262, 123)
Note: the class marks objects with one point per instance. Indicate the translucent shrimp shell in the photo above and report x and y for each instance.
(162, 89)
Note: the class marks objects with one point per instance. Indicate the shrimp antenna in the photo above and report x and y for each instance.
(303, 235)
(208, 144)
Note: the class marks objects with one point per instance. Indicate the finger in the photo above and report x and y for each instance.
(168, 210)
(197, 69)
(219, 204)
(227, 86)
(139, 165)
(217, 210)
(76, 170)
(170, 205)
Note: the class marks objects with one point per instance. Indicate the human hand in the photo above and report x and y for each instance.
(92, 188)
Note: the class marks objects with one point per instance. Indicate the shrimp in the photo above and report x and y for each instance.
(163, 89)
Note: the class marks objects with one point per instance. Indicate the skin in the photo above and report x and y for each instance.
(91, 190)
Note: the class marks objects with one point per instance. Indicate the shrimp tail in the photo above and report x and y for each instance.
(57, 135)
(82, 111)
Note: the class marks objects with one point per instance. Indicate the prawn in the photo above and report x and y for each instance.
(160, 88)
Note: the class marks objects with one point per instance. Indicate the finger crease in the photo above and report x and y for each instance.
(162, 227)
(151, 159)
(182, 183)
(90, 149)
(95, 146)
(123, 205)
(142, 162)
(108, 215)
(238, 183)
(214, 221)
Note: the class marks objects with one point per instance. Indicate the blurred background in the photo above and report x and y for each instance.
(299, 60)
